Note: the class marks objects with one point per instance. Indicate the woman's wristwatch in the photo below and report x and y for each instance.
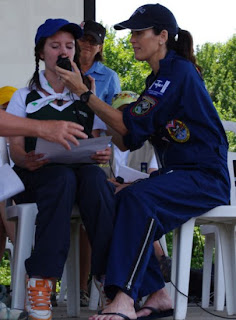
(84, 97)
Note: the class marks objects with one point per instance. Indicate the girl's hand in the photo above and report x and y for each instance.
(102, 156)
(32, 162)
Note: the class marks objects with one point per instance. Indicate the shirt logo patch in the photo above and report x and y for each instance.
(159, 87)
(178, 131)
(83, 114)
(144, 106)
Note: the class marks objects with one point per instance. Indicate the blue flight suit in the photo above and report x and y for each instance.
(174, 111)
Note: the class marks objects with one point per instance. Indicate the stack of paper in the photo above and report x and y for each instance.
(130, 175)
(78, 154)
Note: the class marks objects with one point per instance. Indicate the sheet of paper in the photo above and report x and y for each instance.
(130, 174)
(10, 183)
(78, 154)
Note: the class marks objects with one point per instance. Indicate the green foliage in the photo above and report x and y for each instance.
(5, 272)
(219, 72)
(197, 251)
(119, 56)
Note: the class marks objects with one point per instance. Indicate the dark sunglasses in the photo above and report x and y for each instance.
(91, 41)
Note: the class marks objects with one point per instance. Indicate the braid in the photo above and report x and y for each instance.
(34, 81)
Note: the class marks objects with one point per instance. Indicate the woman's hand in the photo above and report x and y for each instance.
(119, 186)
(102, 156)
(72, 79)
(32, 162)
(61, 132)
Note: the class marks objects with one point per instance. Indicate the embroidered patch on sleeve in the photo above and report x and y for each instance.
(143, 106)
(178, 131)
(159, 87)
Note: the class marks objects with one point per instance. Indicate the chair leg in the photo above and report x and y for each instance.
(25, 216)
(72, 267)
(94, 297)
(219, 282)
(207, 268)
(182, 264)
(163, 244)
(227, 239)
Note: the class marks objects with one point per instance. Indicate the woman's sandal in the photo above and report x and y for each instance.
(115, 314)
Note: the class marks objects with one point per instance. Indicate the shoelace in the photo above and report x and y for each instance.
(39, 298)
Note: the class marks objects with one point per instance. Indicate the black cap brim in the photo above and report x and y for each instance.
(132, 25)
(93, 34)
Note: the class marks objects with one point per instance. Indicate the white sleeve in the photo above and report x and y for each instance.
(99, 124)
(153, 163)
(17, 105)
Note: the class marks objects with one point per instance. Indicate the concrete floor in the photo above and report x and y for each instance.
(194, 313)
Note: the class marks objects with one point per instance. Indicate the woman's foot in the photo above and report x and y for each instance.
(159, 300)
(122, 304)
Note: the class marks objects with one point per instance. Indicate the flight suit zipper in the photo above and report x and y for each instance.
(144, 247)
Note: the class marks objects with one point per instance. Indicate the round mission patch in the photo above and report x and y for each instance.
(144, 106)
(178, 131)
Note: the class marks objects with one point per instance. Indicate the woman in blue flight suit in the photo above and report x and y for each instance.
(176, 113)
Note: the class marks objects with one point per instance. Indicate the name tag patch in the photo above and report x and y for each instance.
(159, 87)
(143, 106)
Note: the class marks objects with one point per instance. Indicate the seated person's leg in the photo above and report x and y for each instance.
(53, 189)
(96, 194)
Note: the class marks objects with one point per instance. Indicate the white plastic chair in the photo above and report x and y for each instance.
(224, 217)
(212, 241)
(24, 216)
(70, 285)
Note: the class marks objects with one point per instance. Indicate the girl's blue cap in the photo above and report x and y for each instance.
(51, 26)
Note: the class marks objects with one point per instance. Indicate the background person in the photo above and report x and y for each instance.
(53, 187)
(177, 113)
(5, 96)
(91, 61)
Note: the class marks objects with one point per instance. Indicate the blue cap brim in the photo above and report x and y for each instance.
(50, 27)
